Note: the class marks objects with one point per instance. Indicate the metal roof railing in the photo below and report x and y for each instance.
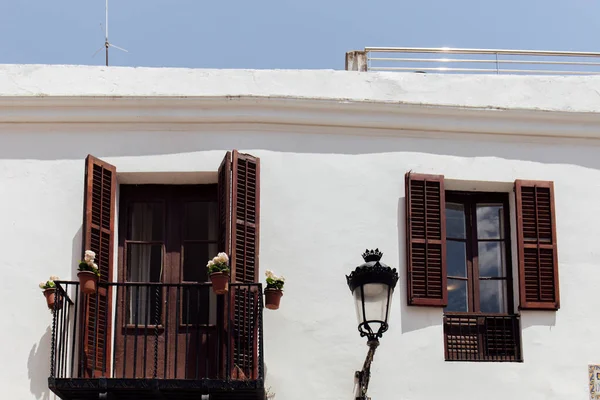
(488, 61)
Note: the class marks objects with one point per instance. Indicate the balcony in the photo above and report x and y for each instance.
(157, 341)
(478, 337)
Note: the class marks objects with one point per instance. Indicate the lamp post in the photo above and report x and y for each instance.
(372, 285)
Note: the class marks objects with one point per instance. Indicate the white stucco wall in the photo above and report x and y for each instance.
(326, 195)
(324, 199)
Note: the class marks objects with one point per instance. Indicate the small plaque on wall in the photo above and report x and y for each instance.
(594, 381)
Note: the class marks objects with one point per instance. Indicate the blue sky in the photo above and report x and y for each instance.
(282, 33)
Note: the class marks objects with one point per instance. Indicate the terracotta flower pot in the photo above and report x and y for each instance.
(272, 298)
(220, 282)
(88, 282)
(51, 298)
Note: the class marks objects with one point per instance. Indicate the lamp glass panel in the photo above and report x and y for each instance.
(375, 298)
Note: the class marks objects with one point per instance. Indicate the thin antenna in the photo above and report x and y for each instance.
(107, 44)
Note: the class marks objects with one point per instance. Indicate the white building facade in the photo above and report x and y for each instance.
(326, 155)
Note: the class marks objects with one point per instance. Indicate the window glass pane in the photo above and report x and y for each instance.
(456, 258)
(144, 264)
(492, 259)
(490, 221)
(198, 305)
(457, 295)
(455, 221)
(198, 302)
(200, 221)
(492, 296)
(195, 257)
(146, 221)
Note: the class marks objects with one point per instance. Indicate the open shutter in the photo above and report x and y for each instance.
(245, 214)
(536, 240)
(426, 240)
(98, 236)
(239, 183)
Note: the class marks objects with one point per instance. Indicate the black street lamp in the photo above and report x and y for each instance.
(372, 285)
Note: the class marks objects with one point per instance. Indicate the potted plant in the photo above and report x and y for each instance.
(88, 273)
(274, 290)
(49, 288)
(218, 271)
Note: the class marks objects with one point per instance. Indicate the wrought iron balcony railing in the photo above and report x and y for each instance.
(157, 340)
(478, 337)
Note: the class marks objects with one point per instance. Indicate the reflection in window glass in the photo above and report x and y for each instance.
(492, 297)
(455, 221)
(456, 258)
(492, 262)
(490, 219)
(457, 296)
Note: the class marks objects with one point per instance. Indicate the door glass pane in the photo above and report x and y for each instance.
(146, 221)
(195, 257)
(456, 258)
(201, 221)
(492, 296)
(198, 305)
(144, 264)
(457, 296)
(490, 221)
(198, 302)
(455, 221)
(492, 259)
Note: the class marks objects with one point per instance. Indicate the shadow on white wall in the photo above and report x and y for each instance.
(38, 366)
(411, 318)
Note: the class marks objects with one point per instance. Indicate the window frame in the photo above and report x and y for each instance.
(469, 200)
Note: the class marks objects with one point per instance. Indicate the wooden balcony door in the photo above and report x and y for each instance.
(166, 313)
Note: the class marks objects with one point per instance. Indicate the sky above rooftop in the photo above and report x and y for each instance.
(283, 33)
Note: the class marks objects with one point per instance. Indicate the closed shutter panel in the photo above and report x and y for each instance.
(536, 240)
(98, 236)
(240, 199)
(426, 240)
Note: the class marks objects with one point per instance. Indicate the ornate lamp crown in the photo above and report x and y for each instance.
(372, 255)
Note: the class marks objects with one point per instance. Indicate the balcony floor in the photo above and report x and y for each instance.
(165, 389)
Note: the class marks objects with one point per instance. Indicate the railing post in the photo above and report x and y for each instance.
(356, 61)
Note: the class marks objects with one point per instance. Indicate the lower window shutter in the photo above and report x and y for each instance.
(536, 241)
(98, 236)
(240, 180)
(426, 240)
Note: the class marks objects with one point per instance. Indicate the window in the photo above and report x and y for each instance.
(478, 253)
(477, 320)
(459, 257)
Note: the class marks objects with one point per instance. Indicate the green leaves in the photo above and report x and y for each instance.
(274, 283)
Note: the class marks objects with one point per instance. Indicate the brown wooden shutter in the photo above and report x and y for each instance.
(239, 214)
(426, 240)
(239, 198)
(536, 241)
(98, 236)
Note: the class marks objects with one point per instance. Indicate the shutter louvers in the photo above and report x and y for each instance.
(239, 180)
(426, 240)
(245, 224)
(98, 236)
(536, 240)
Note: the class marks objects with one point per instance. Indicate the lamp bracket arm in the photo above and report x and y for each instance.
(364, 375)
